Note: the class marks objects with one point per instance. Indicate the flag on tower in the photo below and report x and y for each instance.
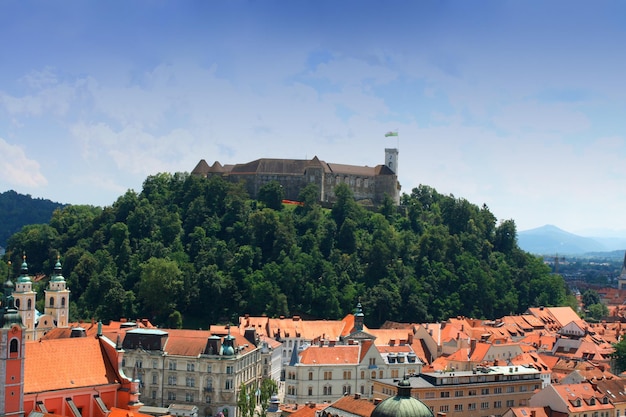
(391, 134)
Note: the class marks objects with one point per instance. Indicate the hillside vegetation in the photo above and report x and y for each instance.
(18, 210)
(198, 251)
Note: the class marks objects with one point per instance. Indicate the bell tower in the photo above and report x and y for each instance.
(24, 297)
(391, 159)
(12, 340)
(57, 302)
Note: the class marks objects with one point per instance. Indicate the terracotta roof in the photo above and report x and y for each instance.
(120, 412)
(352, 404)
(584, 392)
(84, 364)
(530, 411)
(330, 355)
(186, 342)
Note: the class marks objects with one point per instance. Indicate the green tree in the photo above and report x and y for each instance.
(272, 195)
(598, 311)
(619, 356)
(267, 389)
(246, 401)
(159, 287)
(590, 297)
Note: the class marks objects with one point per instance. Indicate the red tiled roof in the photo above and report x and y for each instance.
(84, 364)
(330, 355)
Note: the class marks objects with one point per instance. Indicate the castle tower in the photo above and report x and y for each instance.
(391, 159)
(12, 340)
(24, 297)
(57, 302)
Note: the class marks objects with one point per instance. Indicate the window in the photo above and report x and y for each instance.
(394, 373)
(328, 390)
(328, 375)
(189, 397)
(14, 347)
(444, 394)
(380, 374)
(191, 367)
(190, 381)
(62, 301)
(429, 395)
(228, 384)
(154, 379)
(155, 364)
(362, 374)
(51, 301)
(172, 365)
(153, 395)
(310, 376)
(171, 380)
(208, 399)
(310, 391)
(458, 407)
(484, 391)
(373, 374)
(444, 408)
(347, 389)
(372, 361)
(29, 303)
(229, 369)
(139, 363)
(171, 396)
(471, 392)
(497, 404)
(511, 403)
(458, 393)
(471, 406)
(17, 303)
(523, 388)
(347, 374)
(484, 405)
(510, 389)
(497, 390)
(208, 368)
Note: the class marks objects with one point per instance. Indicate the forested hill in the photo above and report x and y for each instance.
(17, 210)
(200, 250)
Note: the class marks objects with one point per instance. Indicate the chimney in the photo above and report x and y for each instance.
(357, 396)
(533, 413)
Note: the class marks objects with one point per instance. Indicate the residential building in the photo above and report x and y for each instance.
(328, 371)
(193, 367)
(485, 391)
(575, 400)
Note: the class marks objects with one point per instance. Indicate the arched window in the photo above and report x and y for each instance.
(51, 301)
(29, 303)
(17, 303)
(13, 348)
(62, 301)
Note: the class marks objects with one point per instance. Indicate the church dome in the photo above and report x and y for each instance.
(57, 275)
(402, 405)
(24, 278)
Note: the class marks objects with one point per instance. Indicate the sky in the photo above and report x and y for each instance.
(519, 105)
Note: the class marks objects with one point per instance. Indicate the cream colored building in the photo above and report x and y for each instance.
(487, 391)
(192, 367)
(324, 373)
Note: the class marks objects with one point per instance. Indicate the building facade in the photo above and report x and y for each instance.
(193, 367)
(485, 392)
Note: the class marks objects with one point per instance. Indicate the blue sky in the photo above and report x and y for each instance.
(519, 105)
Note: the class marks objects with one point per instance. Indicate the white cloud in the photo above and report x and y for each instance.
(16, 170)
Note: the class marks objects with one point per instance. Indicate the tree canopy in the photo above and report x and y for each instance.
(200, 251)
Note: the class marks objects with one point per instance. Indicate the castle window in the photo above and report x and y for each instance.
(62, 301)
(29, 304)
(366, 183)
(17, 303)
(51, 301)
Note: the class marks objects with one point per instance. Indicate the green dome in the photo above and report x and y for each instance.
(23, 278)
(402, 405)
(57, 276)
(10, 318)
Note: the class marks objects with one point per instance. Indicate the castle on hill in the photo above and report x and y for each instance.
(369, 185)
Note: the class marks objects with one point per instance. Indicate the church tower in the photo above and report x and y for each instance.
(24, 297)
(57, 302)
(12, 341)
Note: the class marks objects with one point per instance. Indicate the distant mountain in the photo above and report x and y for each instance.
(550, 239)
(18, 210)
